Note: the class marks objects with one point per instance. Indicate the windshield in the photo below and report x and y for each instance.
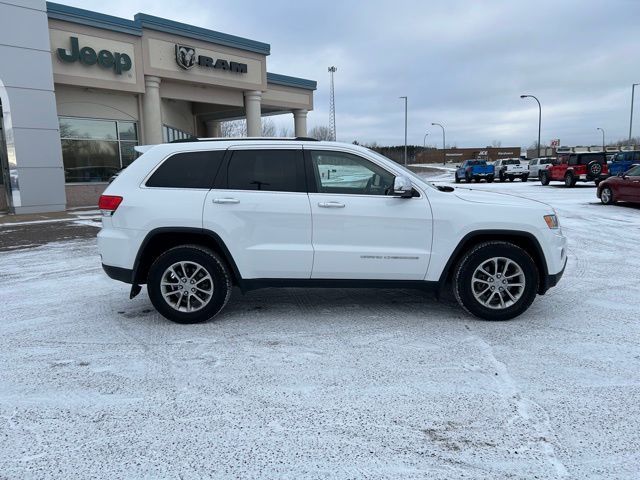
(409, 173)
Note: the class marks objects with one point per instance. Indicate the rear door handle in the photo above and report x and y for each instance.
(331, 205)
(226, 200)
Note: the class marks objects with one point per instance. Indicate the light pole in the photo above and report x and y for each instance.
(405, 130)
(602, 130)
(444, 156)
(424, 141)
(539, 117)
(633, 89)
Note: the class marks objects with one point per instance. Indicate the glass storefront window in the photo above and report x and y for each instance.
(127, 131)
(94, 150)
(127, 153)
(169, 134)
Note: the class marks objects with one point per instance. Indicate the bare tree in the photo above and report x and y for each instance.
(234, 128)
(496, 143)
(268, 128)
(285, 132)
(321, 132)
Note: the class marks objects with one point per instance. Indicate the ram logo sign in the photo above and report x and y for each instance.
(186, 58)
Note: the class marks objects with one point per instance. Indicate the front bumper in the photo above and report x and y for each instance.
(552, 279)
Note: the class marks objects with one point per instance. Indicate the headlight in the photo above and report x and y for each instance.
(552, 221)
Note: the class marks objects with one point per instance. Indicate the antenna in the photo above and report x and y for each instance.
(332, 106)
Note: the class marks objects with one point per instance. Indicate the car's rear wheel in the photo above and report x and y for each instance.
(189, 284)
(606, 196)
(496, 281)
(525, 178)
(544, 178)
(511, 179)
(490, 179)
(569, 180)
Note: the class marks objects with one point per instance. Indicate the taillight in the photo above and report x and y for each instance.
(108, 204)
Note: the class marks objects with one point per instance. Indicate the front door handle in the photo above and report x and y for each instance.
(331, 205)
(226, 200)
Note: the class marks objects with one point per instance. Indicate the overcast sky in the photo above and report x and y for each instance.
(461, 63)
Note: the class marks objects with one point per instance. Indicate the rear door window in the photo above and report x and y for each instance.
(187, 170)
(266, 170)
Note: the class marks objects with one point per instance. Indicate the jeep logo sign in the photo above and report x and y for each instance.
(118, 62)
(186, 59)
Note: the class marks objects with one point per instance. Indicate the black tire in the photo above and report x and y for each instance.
(457, 178)
(463, 274)
(525, 178)
(511, 179)
(569, 180)
(467, 177)
(594, 169)
(607, 199)
(544, 178)
(210, 262)
(490, 179)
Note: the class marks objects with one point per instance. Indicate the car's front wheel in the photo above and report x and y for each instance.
(606, 196)
(544, 178)
(189, 284)
(496, 281)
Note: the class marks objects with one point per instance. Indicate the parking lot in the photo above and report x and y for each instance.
(316, 383)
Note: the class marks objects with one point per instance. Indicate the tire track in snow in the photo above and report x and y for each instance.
(508, 388)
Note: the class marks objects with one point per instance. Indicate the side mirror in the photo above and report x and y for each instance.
(621, 174)
(402, 187)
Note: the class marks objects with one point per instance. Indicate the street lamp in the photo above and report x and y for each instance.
(539, 117)
(405, 130)
(602, 130)
(633, 88)
(424, 141)
(444, 156)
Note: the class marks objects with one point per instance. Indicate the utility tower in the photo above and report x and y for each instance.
(332, 106)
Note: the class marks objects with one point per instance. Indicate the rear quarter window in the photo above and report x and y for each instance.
(187, 170)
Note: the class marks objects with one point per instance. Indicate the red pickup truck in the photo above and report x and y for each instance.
(571, 168)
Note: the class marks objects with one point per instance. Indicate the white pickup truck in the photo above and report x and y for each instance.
(510, 168)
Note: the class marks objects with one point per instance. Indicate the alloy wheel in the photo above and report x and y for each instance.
(498, 283)
(186, 286)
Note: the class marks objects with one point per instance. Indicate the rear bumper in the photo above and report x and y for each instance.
(118, 273)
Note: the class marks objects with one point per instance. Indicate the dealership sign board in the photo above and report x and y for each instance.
(186, 59)
(118, 62)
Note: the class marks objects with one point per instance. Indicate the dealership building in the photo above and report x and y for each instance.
(80, 89)
(459, 155)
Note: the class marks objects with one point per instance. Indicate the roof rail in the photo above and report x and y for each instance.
(245, 139)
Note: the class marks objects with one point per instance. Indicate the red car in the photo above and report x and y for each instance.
(624, 188)
(576, 167)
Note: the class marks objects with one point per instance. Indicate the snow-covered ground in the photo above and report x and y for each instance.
(326, 383)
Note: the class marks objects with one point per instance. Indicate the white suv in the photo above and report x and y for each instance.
(193, 219)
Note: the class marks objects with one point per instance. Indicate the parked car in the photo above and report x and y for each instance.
(576, 167)
(537, 164)
(511, 168)
(623, 161)
(475, 170)
(624, 187)
(193, 219)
